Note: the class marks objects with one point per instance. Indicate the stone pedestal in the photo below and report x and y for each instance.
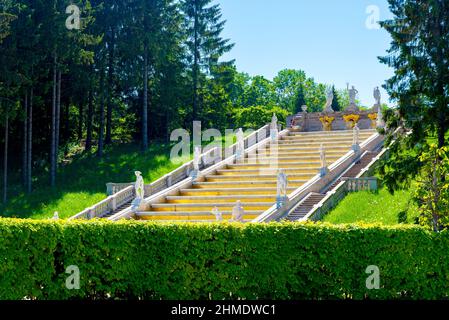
(324, 171)
(352, 108)
(356, 148)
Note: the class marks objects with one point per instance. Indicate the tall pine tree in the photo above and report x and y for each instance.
(204, 26)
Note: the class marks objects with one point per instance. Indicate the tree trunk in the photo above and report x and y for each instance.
(5, 162)
(58, 118)
(195, 68)
(25, 141)
(53, 129)
(101, 128)
(167, 126)
(108, 138)
(80, 121)
(30, 143)
(90, 112)
(67, 131)
(145, 102)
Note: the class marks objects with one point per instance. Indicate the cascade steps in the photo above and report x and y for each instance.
(264, 171)
(231, 191)
(314, 198)
(253, 180)
(307, 205)
(247, 184)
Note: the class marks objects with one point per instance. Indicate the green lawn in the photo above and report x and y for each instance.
(82, 182)
(368, 207)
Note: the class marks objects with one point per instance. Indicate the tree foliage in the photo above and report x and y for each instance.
(420, 85)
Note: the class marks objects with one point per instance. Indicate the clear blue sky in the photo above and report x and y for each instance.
(328, 39)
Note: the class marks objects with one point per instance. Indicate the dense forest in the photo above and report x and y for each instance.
(129, 71)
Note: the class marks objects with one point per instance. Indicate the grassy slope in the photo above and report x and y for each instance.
(82, 183)
(369, 207)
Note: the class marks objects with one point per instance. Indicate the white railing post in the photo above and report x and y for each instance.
(114, 203)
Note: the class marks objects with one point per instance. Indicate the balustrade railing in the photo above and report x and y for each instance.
(121, 193)
(107, 205)
(317, 183)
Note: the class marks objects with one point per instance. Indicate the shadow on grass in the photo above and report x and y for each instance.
(82, 182)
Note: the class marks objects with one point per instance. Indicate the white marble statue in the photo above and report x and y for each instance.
(274, 122)
(218, 215)
(352, 95)
(196, 158)
(377, 95)
(274, 127)
(55, 215)
(139, 186)
(237, 212)
(304, 108)
(240, 144)
(356, 135)
(329, 100)
(380, 120)
(282, 183)
(323, 156)
(323, 162)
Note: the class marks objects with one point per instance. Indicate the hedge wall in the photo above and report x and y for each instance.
(132, 260)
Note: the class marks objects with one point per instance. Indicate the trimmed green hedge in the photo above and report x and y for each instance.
(131, 260)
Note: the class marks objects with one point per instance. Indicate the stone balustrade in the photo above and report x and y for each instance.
(333, 121)
(121, 193)
(317, 183)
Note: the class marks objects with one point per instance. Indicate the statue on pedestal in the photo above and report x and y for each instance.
(377, 96)
(323, 170)
(356, 139)
(240, 150)
(355, 135)
(304, 108)
(218, 215)
(139, 186)
(196, 161)
(352, 97)
(282, 183)
(380, 120)
(237, 212)
(139, 189)
(329, 100)
(274, 127)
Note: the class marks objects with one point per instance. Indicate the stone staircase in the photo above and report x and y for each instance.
(253, 181)
(119, 208)
(314, 198)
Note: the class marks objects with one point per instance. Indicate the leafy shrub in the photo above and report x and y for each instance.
(258, 116)
(135, 260)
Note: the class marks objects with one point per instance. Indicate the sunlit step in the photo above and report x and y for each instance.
(297, 165)
(308, 148)
(231, 191)
(194, 218)
(296, 138)
(309, 153)
(264, 171)
(301, 142)
(262, 177)
(189, 207)
(337, 133)
(207, 213)
(246, 184)
(221, 199)
(291, 159)
(206, 221)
